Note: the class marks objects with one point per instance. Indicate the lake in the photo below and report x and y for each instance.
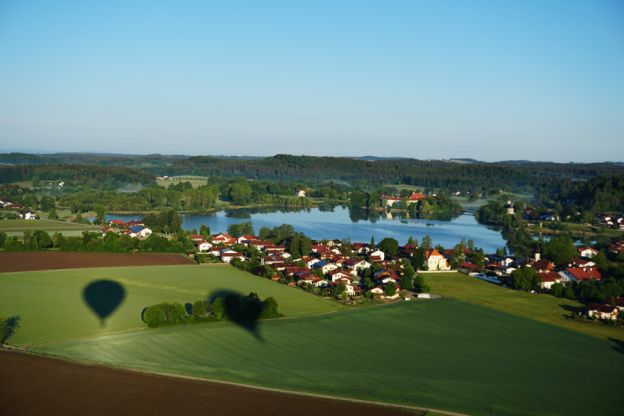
(324, 223)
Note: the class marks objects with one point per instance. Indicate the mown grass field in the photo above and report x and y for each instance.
(51, 306)
(19, 226)
(196, 181)
(540, 307)
(443, 354)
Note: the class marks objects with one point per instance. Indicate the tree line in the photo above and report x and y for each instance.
(227, 306)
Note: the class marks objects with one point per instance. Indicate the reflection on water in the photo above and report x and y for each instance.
(356, 225)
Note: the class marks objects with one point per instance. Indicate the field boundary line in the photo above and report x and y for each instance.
(232, 383)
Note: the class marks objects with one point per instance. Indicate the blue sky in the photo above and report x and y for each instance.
(492, 80)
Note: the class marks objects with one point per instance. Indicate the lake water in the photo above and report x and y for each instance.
(338, 223)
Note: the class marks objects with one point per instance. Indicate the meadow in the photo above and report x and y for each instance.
(443, 354)
(539, 307)
(51, 306)
(17, 227)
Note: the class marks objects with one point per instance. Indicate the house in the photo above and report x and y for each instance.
(509, 208)
(339, 275)
(117, 223)
(28, 215)
(301, 193)
(204, 246)
(228, 255)
(310, 261)
(377, 290)
(548, 279)
(578, 274)
(467, 267)
(604, 311)
(360, 248)
(578, 262)
(409, 249)
(261, 244)
(390, 201)
(139, 231)
(542, 265)
(246, 239)
(587, 252)
(325, 266)
(377, 255)
(197, 238)
(436, 261)
(223, 238)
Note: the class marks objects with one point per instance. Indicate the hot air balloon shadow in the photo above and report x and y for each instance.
(244, 311)
(103, 297)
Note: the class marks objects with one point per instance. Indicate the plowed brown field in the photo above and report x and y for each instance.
(33, 385)
(47, 260)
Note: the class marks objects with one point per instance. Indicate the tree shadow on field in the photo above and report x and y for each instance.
(244, 311)
(618, 345)
(103, 297)
(574, 311)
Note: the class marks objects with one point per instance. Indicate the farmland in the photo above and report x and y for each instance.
(543, 308)
(50, 302)
(71, 388)
(444, 354)
(50, 260)
(17, 227)
(441, 354)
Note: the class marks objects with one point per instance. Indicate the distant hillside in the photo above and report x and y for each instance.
(366, 171)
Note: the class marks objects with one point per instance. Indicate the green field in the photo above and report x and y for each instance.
(480, 350)
(540, 307)
(196, 181)
(51, 306)
(17, 227)
(443, 354)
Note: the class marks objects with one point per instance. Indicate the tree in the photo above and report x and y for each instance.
(8, 327)
(100, 214)
(389, 246)
(339, 290)
(420, 286)
(154, 316)
(560, 250)
(525, 278)
(427, 243)
(218, 309)
(3, 238)
(46, 203)
(240, 229)
(52, 215)
(390, 289)
(199, 309)
(40, 240)
(269, 308)
(204, 230)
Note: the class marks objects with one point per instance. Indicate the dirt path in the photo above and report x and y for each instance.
(49, 260)
(34, 385)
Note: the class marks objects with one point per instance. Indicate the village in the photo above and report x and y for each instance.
(356, 270)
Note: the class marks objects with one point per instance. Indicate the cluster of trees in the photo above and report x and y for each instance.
(96, 177)
(92, 241)
(226, 306)
(474, 176)
(8, 327)
(167, 221)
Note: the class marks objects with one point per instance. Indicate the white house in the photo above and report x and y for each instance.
(204, 246)
(140, 231)
(436, 261)
(378, 254)
(28, 215)
(301, 193)
(587, 252)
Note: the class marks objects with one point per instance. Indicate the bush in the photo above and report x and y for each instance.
(8, 327)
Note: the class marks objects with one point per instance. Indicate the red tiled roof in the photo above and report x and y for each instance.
(589, 273)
